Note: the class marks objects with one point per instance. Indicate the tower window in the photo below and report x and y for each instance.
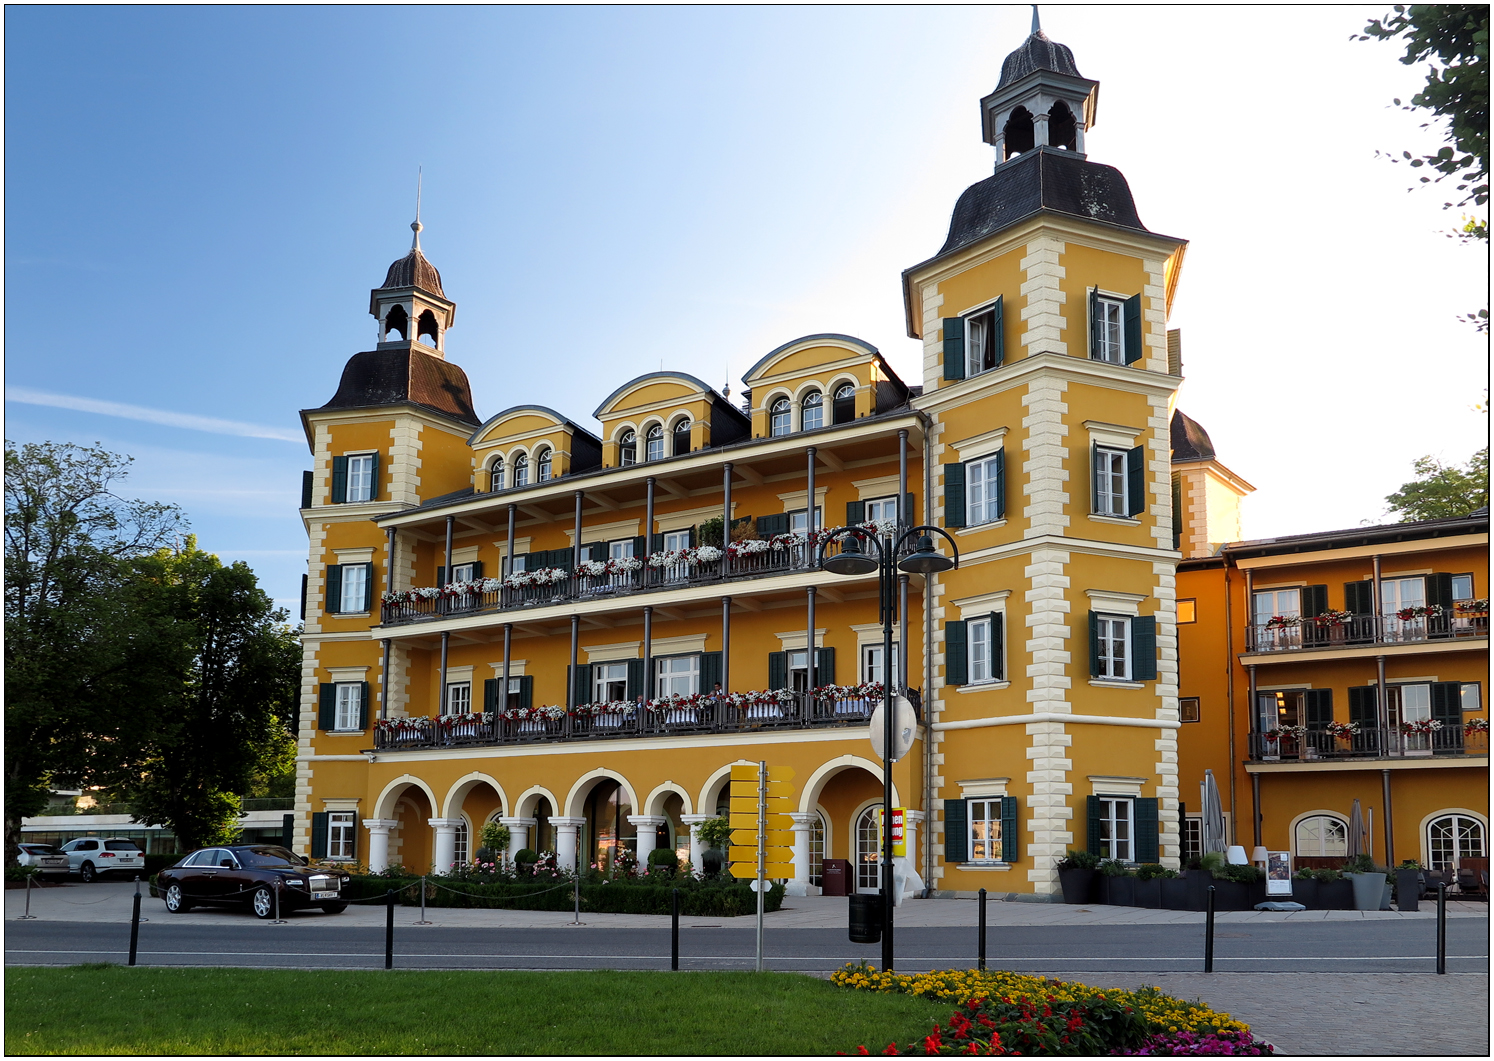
(545, 463)
(627, 448)
(813, 411)
(495, 481)
(1109, 331)
(682, 437)
(521, 471)
(983, 345)
(780, 418)
(426, 328)
(1017, 133)
(655, 443)
(1063, 130)
(844, 409)
(396, 321)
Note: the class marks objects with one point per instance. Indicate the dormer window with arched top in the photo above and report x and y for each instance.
(682, 436)
(495, 475)
(780, 418)
(427, 330)
(396, 322)
(812, 411)
(521, 471)
(544, 464)
(655, 437)
(1018, 132)
(1063, 130)
(844, 409)
(627, 448)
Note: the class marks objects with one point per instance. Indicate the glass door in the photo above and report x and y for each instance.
(1403, 595)
(1276, 612)
(868, 868)
(1410, 708)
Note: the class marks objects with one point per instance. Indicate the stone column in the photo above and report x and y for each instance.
(803, 829)
(567, 831)
(378, 842)
(697, 849)
(648, 835)
(445, 843)
(518, 835)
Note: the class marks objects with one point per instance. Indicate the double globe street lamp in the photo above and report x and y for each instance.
(923, 560)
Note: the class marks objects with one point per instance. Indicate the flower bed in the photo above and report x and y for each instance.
(1010, 1013)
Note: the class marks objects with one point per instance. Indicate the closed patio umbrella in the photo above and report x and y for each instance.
(1357, 833)
(1213, 814)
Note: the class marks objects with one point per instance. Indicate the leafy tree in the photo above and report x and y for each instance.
(84, 664)
(240, 670)
(1442, 491)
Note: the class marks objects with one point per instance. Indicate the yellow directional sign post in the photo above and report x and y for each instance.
(762, 843)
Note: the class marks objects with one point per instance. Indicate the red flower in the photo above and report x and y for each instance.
(891, 1050)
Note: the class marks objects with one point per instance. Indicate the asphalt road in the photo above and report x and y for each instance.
(1338, 947)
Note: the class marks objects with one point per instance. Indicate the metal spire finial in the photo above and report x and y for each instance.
(1037, 27)
(416, 226)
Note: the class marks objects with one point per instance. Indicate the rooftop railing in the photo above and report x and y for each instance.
(1464, 619)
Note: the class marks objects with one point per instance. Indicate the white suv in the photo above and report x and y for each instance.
(44, 857)
(90, 856)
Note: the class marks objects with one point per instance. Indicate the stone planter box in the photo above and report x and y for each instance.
(1232, 895)
(1335, 894)
(1305, 892)
(1118, 891)
(1369, 890)
(1077, 885)
(1176, 894)
(1408, 889)
(1148, 893)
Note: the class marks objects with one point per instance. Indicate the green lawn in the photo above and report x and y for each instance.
(117, 1010)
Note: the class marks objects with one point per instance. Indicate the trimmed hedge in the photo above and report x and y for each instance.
(617, 897)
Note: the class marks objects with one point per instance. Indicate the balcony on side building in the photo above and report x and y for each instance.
(1413, 740)
(1464, 620)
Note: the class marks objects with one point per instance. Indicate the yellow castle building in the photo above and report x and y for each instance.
(577, 631)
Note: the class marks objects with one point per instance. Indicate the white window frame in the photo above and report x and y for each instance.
(981, 506)
(544, 466)
(980, 650)
(605, 674)
(626, 442)
(1458, 821)
(458, 699)
(654, 434)
(982, 321)
(805, 405)
(348, 701)
(1113, 630)
(354, 590)
(681, 427)
(341, 837)
(462, 572)
(797, 663)
(360, 484)
(799, 520)
(461, 843)
(881, 508)
(1110, 497)
(1321, 841)
(871, 665)
(780, 418)
(987, 813)
(1122, 849)
(1111, 325)
(677, 675)
(819, 843)
(521, 471)
(1190, 839)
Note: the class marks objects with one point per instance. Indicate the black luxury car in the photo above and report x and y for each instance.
(253, 874)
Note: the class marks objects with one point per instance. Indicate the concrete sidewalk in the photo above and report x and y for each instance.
(111, 901)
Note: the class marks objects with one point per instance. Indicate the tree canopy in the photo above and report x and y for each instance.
(1442, 491)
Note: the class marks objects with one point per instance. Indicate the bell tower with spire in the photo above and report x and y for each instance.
(410, 306)
(1041, 100)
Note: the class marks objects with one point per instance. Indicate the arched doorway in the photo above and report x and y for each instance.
(607, 830)
(868, 853)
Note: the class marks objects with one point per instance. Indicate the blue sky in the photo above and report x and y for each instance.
(199, 200)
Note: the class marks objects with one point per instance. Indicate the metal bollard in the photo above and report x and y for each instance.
(1442, 928)
(278, 920)
(27, 915)
(981, 952)
(1209, 933)
(135, 923)
(674, 931)
(389, 932)
(578, 897)
(422, 920)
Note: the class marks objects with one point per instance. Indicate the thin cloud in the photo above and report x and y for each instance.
(27, 396)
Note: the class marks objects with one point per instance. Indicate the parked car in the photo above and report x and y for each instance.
(91, 857)
(253, 874)
(44, 857)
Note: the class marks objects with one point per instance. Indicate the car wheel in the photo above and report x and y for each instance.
(176, 902)
(88, 873)
(263, 903)
(334, 908)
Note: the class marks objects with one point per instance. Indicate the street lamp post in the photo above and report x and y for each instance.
(924, 560)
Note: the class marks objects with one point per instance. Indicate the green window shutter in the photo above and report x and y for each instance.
(1146, 828)
(767, 526)
(956, 653)
(1447, 703)
(1094, 324)
(303, 597)
(954, 495)
(333, 603)
(307, 478)
(954, 348)
(692, 539)
(1318, 707)
(640, 546)
(364, 695)
(1092, 835)
(824, 666)
(1094, 478)
(339, 480)
(658, 544)
(356, 830)
(368, 588)
(855, 513)
(490, 694)
(1439, 589)
(1177, 511)
(1363, 701)
(440, 576)
(907, 515)
(373, 490)
(1136, 481)
(565, 558)
(956, 832)
(526, 690)
(1144, 648)
(319, 834)
(1094, 644)
(1131, 331)
(998, 645)
(581, 684)
(710, 670)
(777, 670)
(1359, 598)
(326, 706)
(476, 570)
(1314, 601)
(1011, 840)
(998, 332)
(1001, 483)
(635, 678)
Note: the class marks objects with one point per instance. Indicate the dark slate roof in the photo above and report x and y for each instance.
(400, 374)
(1037, 180)
(1190, 442)
(414, 270)
(1351, 537)
(1037, 53)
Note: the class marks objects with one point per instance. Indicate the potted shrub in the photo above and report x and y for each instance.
(715, 836)
(1148, 886)
(1334, 891)
(1305, 888)
(1369, 882)
(1118, 886)
(524, 860)
(495, 841)
(662, 862)
(1076, 875)
(1408, 885)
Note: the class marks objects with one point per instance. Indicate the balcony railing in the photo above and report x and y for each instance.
(781, 558)
(1369, 743)
(1296, 635)
(802, 712)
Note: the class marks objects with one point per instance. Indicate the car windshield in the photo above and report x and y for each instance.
(271, 858)
(120, 845)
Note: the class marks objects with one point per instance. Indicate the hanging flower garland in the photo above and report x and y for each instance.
(1333, 618)
(619, 565)
(1278, 622)
(1296, 733)
(1429, 611)
(544, 713)
(1343, 730)
(1476, 725)
(544, 576)
(1424, 727)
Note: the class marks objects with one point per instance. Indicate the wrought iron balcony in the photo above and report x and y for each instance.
(534, 726)
(1378, 742)
(1465, 619)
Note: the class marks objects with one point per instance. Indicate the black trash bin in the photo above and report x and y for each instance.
(866, 919)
